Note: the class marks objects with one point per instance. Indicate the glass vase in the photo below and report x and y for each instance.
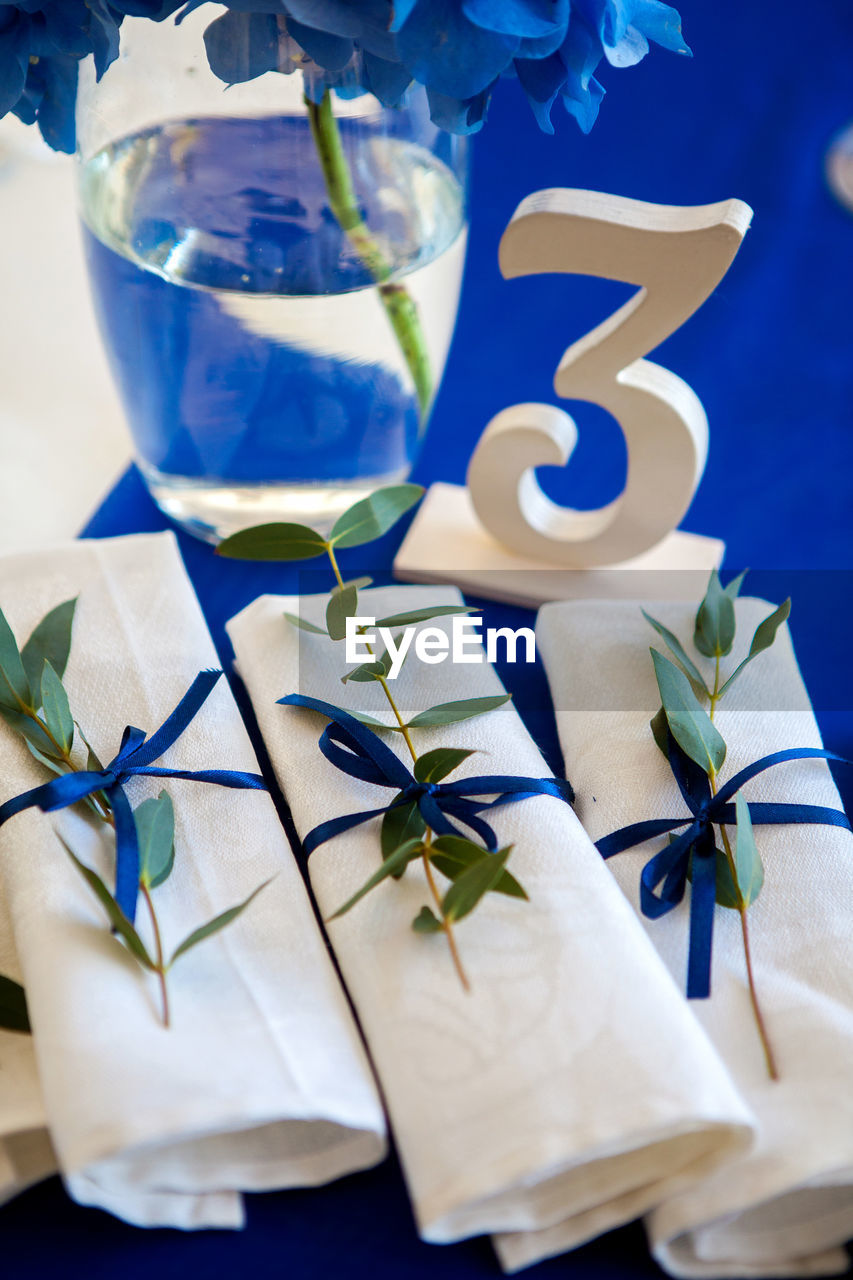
(276, 279)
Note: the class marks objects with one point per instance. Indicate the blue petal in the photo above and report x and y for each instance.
(541, 46)
(542, 79)
(631, 49)
(104, 35)
(388, 81)
(340, 18)
(25, 110)
(330, 52)
(56, 112)
(237, 6)
(401, 12)
(585, 107)
(350, 88)
(661, 23)
(527, 18)
(241, 46)
(61, 32)
(626, 26)
(156, 9)
(449, 54)
(457, 116)
(581, 53)
(366, 23)
(14, 59)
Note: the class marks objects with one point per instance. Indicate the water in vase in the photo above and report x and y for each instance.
(258, 369)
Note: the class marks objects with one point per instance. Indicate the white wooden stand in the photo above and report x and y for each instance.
(502, 536)
(447, 543)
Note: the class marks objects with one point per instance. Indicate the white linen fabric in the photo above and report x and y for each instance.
(261, 1081)
(26, 1153)
(785, 1207)
(537, 1105)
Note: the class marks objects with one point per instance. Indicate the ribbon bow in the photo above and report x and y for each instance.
(134, 759)
(356, 750)
(668, 869)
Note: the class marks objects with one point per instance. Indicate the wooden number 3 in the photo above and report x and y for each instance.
(677, 256)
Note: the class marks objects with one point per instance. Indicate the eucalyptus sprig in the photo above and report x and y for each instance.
(684, 693)
(472, 870)
(34, 702)
(155, 826)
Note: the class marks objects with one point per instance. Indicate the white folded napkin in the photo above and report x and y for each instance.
(261, 1081)
(539, 1104)
(782, 1209)
(26, 1152)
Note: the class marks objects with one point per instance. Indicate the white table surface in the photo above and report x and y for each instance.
(62, 435)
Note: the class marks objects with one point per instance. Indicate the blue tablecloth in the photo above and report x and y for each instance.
(770, 354)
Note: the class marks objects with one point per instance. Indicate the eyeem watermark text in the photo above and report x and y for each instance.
(433, 645)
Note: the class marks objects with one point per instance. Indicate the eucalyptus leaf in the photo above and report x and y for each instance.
(364, 718)
(732, 589)
(401, 823)
(727, 891)
(765, 634)
(117, 918)
(366, 672)
(14, 1015)
(342, 605)
(750, 872)
(432, 766)
(216, 925)
(473, 884)
(660, 730)
(57, 713)
(714, 632)
(394, 865)
(155, 830)
(59, 767)
(375, 515)
(725, 894)
(49, 642)
(678, 651)
(273, 542)
(303, 624)
(689, 723)
(30, 730)
(358, 583)
(93, 763)
(376, 670)
(426, 922)
(452, 712)
(14, 685)
(451, 855)
(421, 615)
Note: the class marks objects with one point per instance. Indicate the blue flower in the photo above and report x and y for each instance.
(41, 45)
(458, 49)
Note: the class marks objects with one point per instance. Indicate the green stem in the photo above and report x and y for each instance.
(160, 967)
(761, 1026)
(446, 925)
(398, 303)
(715, 695)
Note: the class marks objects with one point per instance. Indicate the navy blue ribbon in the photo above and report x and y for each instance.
(134, 760)
(664, 877)
(356, 750)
